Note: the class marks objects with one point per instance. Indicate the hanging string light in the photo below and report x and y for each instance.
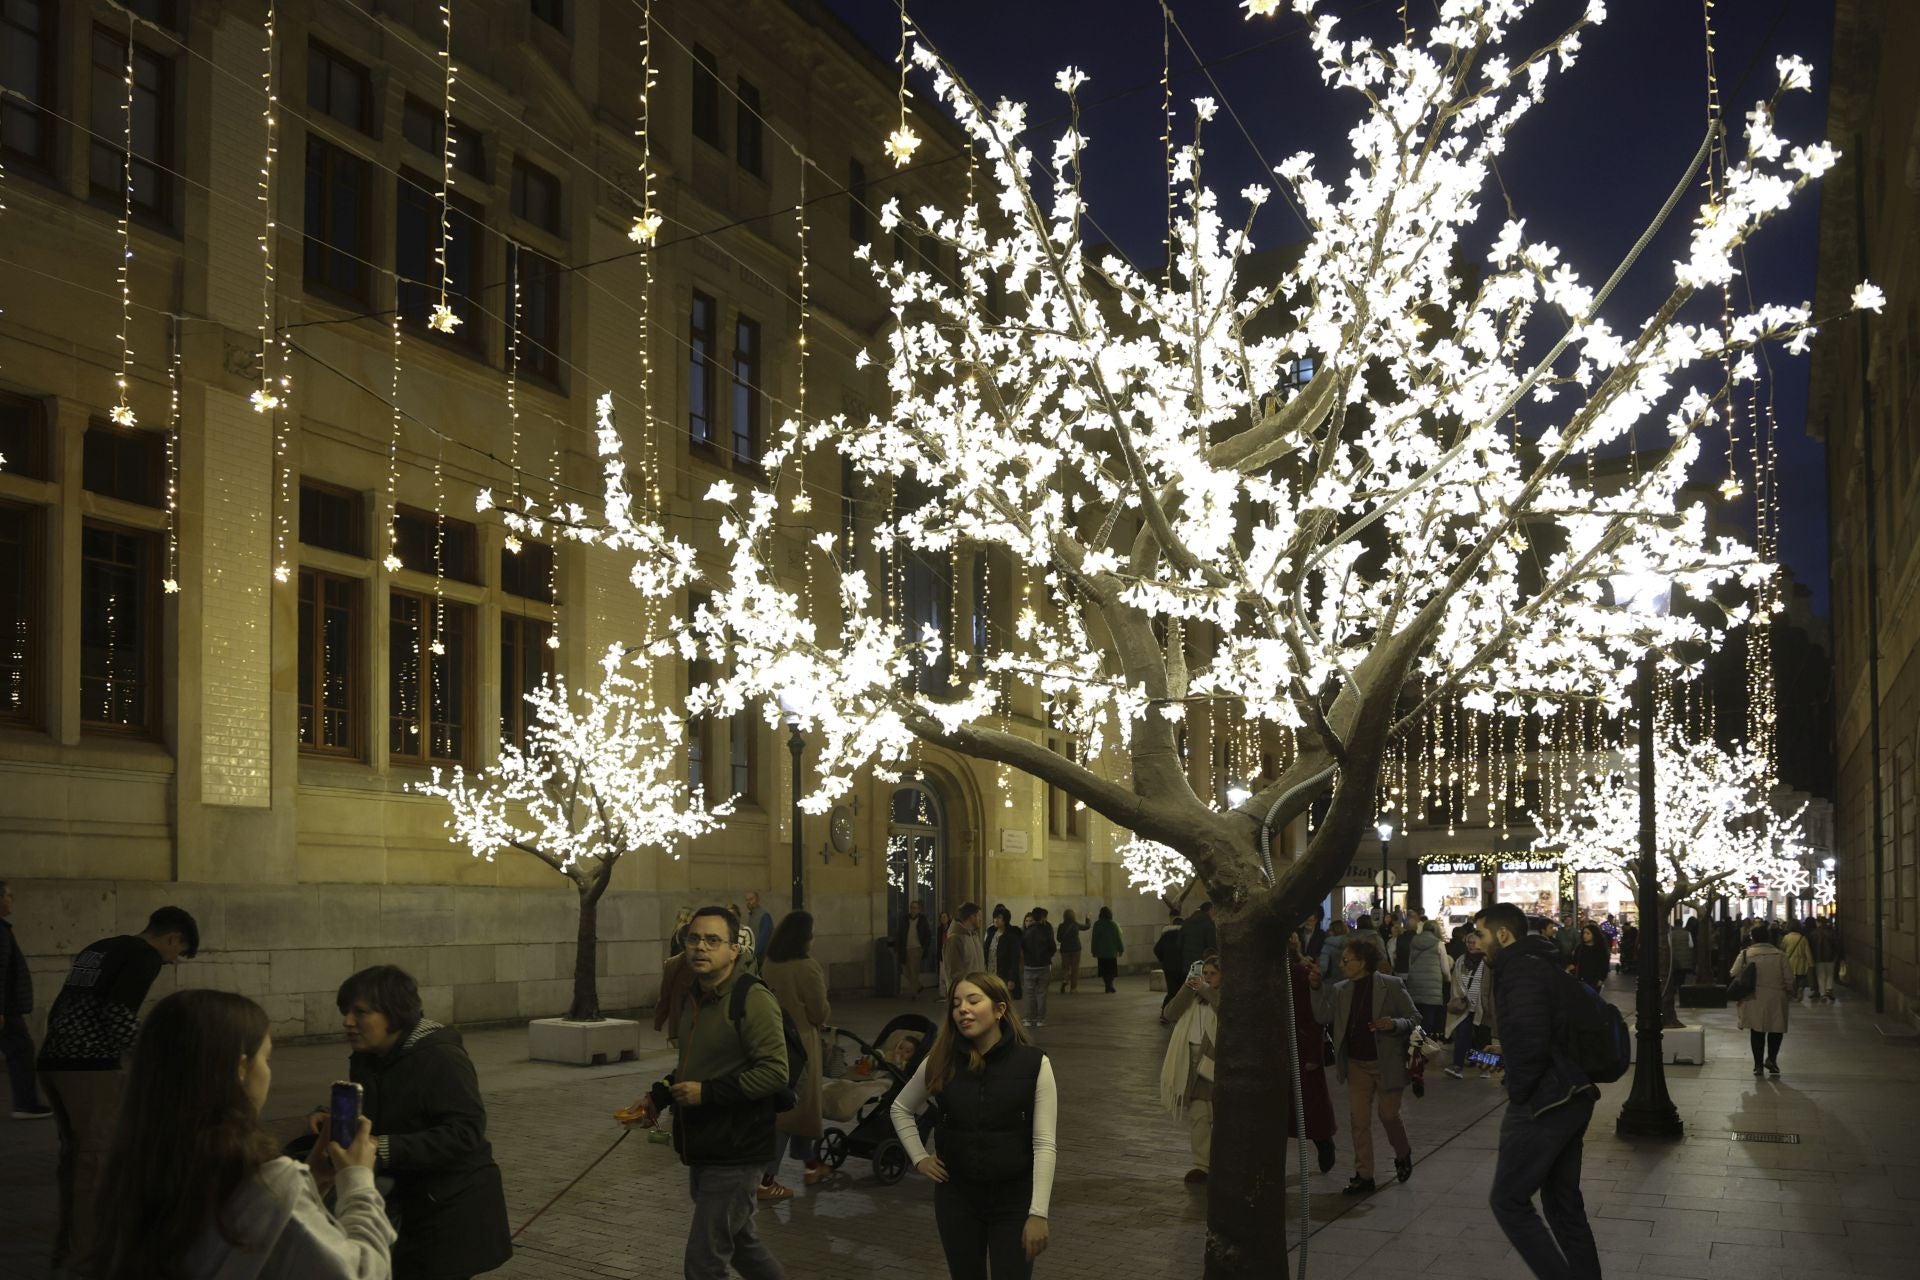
(903, 141)
(646, 232)
(442, 319)
(171, 583)
(270, 397)
(392, 561)
(512, 541)
(438, 646)
(553, 560)
(122, 412)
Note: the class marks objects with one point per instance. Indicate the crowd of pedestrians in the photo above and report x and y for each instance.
(161, 1145)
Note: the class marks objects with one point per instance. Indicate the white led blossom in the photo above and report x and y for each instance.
(1154, 868)
(602, 774)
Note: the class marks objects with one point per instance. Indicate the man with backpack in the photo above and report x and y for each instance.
(1544, 1014)
(733, 1077)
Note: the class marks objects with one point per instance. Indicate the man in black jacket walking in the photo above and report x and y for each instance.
(1549, 1102)
(1037, 945)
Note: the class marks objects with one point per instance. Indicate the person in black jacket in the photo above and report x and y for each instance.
(993, 1167)
(1037, 945)
(420, 1091)
(1549, 1102)
(16, 1002)
(1002, 945)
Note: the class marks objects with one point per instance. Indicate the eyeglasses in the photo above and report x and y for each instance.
(706, 941)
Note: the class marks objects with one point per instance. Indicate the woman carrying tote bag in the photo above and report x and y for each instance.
(1762, 978)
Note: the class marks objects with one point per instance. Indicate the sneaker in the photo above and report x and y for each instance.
(32, 1113)
(1325, 1147)
(1195, 1177)
(774, 1191)
(1403, 1167)
(1357, 1186)
(1456, 1073)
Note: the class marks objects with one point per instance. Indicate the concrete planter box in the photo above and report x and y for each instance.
(584, 1044)
(1685, 1046)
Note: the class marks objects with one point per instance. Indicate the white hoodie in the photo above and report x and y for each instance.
(289, 1235)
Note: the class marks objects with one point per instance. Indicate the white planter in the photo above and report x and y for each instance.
(585, 1044)
(1685, 1045)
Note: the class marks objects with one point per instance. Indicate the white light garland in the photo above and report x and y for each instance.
(122, 412)
(442, 319)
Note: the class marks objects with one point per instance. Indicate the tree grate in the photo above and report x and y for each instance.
(1750, 1135)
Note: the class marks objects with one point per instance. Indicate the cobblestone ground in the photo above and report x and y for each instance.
(1839, 1202)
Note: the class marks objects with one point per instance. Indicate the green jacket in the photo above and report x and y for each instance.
(739, 1066)
(1106, 940)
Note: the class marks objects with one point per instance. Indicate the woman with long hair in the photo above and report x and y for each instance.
(993, 1174)
(195, 1187)
(793, 975)
(1593, 955)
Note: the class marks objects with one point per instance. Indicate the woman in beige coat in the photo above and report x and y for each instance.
(801, 984)
(1764, 1013)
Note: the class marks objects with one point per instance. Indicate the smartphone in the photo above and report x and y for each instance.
(343, 1112)
(1197, 969)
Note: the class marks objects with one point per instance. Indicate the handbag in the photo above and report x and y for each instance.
(1743, 984)
(1457, 1005)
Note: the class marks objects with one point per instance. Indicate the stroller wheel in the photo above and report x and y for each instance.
(833, 1148)
(890, 1162)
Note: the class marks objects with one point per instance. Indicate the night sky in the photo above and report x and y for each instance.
(1588, 168)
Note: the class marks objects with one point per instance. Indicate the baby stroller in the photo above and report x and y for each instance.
(861, 1099)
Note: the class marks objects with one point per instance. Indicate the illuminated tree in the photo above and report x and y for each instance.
(1307, 503)
(588, 787)
(1154, 868)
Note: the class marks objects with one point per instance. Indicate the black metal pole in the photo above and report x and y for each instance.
(1386, 888)
(795, 744)
(1649, 1111)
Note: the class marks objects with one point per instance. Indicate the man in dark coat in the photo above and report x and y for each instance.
(1002, 946)
(911, 943)
(1549, 1102)
(1166, 950)
(16, 1002)
(448, 1204)
(1313, 933)
(1198, 938)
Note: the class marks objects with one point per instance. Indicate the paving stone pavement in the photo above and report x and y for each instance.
(1840, 1202)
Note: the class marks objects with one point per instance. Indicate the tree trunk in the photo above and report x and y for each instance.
(1247, 1203)
(586, 986)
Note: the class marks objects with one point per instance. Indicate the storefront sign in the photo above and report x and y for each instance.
(1451, 866)
(1529, 864)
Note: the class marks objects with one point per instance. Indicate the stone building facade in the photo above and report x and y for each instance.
(243, 747)
(1865, 385)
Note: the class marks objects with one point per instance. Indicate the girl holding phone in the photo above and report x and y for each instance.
(993, 1176)
(195, 1187)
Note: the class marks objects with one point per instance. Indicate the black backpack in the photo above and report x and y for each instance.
(1596, 1036)
(788, 1096)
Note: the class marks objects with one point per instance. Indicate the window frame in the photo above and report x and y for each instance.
(528, 551)
(449, 570)
(319, 50)
(540, 360)
(153, 466)
(527, 174)
(466, 256)
(152, 703)
(45, 159)
(313, 630)
(703, 369)
(521, 634)
(164, 210)
(31, 711)
(337, 160)
(705, 115)
(463, 659)
(358, 542)
(859, 223)
(749, 129)
(745, 391)
(30, 459)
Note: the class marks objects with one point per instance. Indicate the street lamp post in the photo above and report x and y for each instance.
(1649, 1110)
(1385, 829)
(795, 745)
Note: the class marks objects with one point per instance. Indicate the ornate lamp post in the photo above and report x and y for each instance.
(1385, 829)
(1649, 1110)
(795, 745)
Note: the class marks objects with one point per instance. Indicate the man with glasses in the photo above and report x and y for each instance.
(733, 1062)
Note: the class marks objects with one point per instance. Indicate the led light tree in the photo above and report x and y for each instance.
(1197, 519)
(1154, 868)
(1717, 828)
(589, 786)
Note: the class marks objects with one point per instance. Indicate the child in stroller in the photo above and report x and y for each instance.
(858, 1095)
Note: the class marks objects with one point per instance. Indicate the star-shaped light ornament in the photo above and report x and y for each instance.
(1261, 8)
(512, 544)
(1731, 488)
(280, 573)
(264, 401)
(646, 229)
(442, 320)
(901, 144)
(392, 563)
(802, 503)
(553, 642)
(122, 415)
(171, 586)
(439, 649)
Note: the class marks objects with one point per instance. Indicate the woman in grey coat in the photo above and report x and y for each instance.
(1426, 977)
(1764, 1013)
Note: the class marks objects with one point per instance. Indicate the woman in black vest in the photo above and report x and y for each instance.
(994, 1174)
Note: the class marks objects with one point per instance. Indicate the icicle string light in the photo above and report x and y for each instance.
(171, 583)
(903, 141)
(513, 381)
(646, 233)
(264, 401)
(392, 560)
(439, 647)
(122, 412)
(443, 320)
